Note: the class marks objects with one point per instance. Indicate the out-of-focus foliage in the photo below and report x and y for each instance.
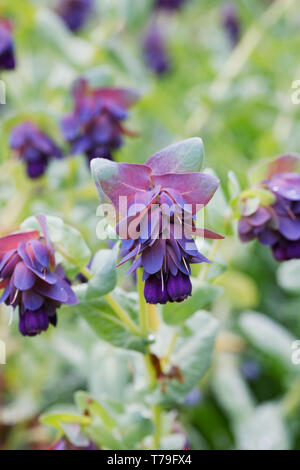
(239, 101)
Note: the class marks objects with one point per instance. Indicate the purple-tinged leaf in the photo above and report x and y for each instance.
(183, 157)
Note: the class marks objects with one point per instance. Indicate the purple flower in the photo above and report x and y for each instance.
(158, 223)
(31, 280)
(7, 55)
(95, 126)
(154, 51)
(64, 444)
(169, 4)
(34, 147)
(75, 13)
(277, 224)
(231, 23)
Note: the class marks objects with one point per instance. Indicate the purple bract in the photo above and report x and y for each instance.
(31, 280)
(278, 224)
(95, 126)
(169, 4)
(34, 147)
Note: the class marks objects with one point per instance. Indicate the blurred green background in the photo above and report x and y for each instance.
(239, 101)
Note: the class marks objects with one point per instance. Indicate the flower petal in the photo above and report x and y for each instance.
(23, 278)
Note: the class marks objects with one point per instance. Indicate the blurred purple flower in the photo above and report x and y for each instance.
(31, 280)
(277, 225)
(75, 13)
(164, 247)
(64, 444)
(34, 147)
(7, 55)
(95, 126)
(169, 4)
(231, 23)
(250, 369)
(154, 51)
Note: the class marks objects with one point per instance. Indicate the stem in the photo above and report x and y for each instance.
(123, 315)
(151, 373)
(119, 311)
(143, 307)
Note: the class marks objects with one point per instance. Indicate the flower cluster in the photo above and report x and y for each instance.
(154, 51)
(74, 13)
(277, 223)
(157, 225)
(32, 281)
(7, 54)
(34, 147)
(95, 126)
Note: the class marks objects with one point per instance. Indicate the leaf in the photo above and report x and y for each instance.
(192, 355)
(104, 269)
(203, 294)
(288, 276)
(183, 157)
(269, 337)
(264, 429)
(231, 390)
(57, 419)
(104, 321)
(66, 238)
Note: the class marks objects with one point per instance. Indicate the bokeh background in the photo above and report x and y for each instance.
(236, 95)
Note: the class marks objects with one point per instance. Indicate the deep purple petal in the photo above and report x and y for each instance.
(23, 277)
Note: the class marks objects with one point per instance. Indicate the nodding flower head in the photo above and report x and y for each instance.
(32, 281)
(75, 13)
(34, 147)
(170, 5)
(276, 222)
(157, 222)
(154, 51)
(95, 127)
(7, 54)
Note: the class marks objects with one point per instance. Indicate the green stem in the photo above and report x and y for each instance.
(151, 373)
(120, 312)
(143, 307)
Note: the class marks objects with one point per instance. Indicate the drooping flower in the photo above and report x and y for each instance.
(231, 23)
(169, 4)
(154, 51)
(7, 54)
(277, 222)
(157, 222)
(34, 147)
(75, 13)
(31, 280)
(95, 126)
(65, 444)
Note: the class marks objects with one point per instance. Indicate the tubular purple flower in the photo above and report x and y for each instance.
(231, 23)
(277, 224)
(95, 126)
(75, 13)
(34, 147)
(7, 54)
(31, 280)
(157, 226)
